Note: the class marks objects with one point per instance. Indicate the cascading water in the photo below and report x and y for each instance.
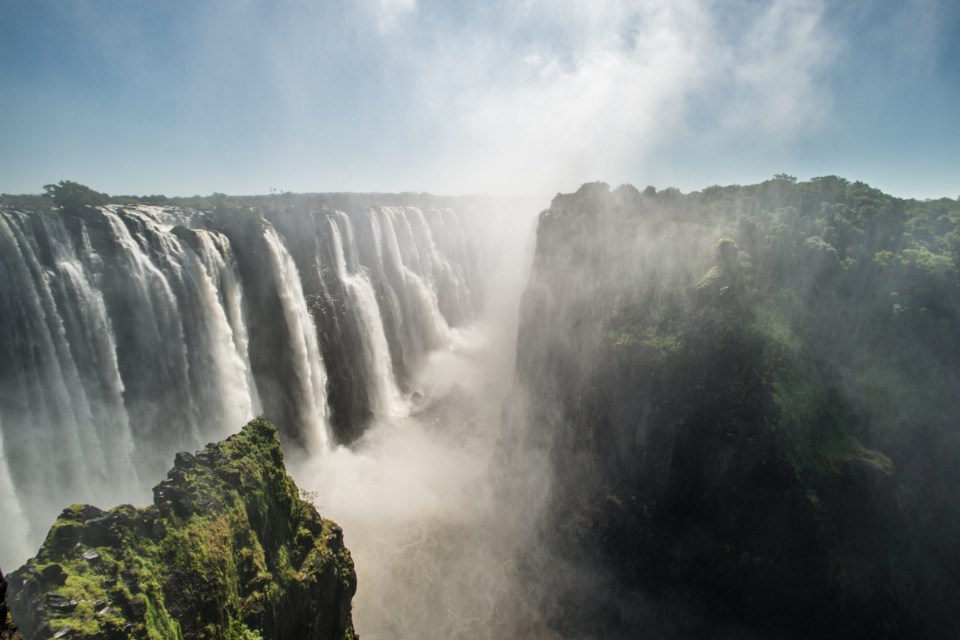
(214, 252)
(123, 343)
(175, 343)
(16, 539)
(310, 375)
(65, 429)
(382, 387)
(130, 333)
(454, 295)
(420, 301)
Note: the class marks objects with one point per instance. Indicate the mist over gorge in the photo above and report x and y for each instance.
(139, 331)
(728, 413)
(135, 332)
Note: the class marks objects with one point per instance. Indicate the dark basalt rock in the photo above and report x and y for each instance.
(228, 550)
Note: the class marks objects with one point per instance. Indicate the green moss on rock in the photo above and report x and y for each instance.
(228, 550)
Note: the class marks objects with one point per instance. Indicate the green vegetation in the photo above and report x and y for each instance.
(767, 375)
(228, 551)
(69, 195)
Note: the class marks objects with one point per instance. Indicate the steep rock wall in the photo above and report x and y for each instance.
(706, 455)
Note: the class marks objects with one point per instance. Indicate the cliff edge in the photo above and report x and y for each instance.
(228, 550)
(738, 397)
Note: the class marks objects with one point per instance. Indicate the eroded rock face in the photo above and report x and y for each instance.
(8, 629)
(227, 550)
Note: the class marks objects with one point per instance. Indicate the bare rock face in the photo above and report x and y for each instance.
(227, 550)
(8, 629)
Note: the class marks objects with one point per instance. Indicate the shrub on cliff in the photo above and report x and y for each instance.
(69, 195)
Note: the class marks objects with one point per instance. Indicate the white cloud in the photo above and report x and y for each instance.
(390, 12)
(604, 85)
(775, 71)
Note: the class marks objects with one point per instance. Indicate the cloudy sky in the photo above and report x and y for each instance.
(503, 97)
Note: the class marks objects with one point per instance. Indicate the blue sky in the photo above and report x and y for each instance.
(504, 97)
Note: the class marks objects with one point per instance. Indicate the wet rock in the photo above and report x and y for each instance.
(54, 574)
(59, 603)
(184, 460)
(99, 532)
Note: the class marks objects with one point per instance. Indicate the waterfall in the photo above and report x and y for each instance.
(309, 372)
(221, 268)
(228, 366)
(15, 538)
(65, 430)
(123, 343)
(430, 331)
(383, 391)
(130, 333)
(448, 265)
(200, 376)
(385, 277)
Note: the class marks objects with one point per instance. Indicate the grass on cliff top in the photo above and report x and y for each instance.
(813, 420)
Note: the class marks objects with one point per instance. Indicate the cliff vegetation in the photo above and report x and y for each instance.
(747, 396)
(228, 550)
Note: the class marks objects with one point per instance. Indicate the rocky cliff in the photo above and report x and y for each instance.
(228, 550)
(712, 382)
(8, 628)
(312, 315)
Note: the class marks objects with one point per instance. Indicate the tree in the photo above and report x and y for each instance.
(67, 195)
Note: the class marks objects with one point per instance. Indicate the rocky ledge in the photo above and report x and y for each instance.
(229, 549)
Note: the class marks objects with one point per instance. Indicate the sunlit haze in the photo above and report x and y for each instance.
(506, 97)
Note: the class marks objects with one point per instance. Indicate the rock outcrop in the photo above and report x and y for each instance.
(722, 459)
(228, 550)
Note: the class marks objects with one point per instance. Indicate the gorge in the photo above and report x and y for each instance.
(136, 332)
(727, 413)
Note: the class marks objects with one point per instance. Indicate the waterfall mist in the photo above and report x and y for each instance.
(436, 548)
(380, 338)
